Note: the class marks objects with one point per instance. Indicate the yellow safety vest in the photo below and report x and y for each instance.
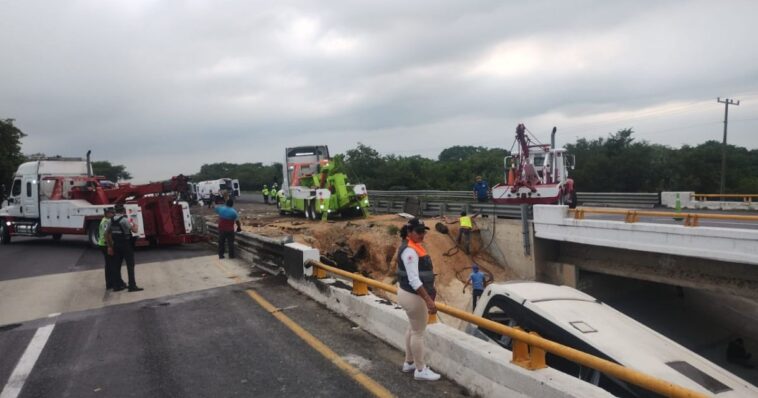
(466, 222)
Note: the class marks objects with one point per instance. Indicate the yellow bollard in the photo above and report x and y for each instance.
(319, 273)
(537, 356)
(431, 319)
(528, 357)
(359, 288)
(520, 353)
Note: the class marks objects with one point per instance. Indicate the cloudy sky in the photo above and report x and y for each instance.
(165, 86)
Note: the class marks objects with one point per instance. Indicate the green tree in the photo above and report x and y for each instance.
(110, 171)
(10, 150)
(619, 164)
(364, 164)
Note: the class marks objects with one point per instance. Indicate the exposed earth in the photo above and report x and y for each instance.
(369, 245)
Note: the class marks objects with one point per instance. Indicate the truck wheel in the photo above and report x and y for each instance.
(5, 234)
(307, 206)
(573, 203)
(57, 236)
(314, 215)
(93, 233)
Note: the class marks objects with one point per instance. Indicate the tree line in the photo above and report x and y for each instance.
(616, 163)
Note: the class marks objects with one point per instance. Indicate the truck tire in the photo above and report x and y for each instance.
(93, 234)
(57, 236)
(5, 234)
(314, 215)
(309, 212)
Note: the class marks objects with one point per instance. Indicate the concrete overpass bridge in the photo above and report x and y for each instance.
(719, 259)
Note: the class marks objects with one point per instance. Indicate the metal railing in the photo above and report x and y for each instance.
(703, 197)
(267, 253)
(528, 348)
(440, 208)
(618, 199)
(632, 216)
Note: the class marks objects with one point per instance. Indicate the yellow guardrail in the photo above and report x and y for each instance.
(705, 196)
(631, 216)
(528, 348)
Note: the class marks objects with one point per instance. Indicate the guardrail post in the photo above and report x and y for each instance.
(578, 214)
(319, 273)
(692, 220)
(359, 288)
(528, 357)
(537, 355)
(631, 217)
(443, 209)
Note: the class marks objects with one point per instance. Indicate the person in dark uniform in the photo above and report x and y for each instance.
(120, 246)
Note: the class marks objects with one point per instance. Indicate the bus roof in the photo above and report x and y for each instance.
(628, 342)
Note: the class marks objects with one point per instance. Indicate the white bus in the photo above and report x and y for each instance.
(575, 319)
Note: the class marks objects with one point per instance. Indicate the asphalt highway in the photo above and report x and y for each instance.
(193, 332)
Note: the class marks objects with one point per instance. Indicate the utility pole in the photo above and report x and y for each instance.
(726, 103)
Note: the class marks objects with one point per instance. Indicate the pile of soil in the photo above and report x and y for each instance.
(369, 246)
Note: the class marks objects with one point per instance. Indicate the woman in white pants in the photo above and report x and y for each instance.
(416, 295)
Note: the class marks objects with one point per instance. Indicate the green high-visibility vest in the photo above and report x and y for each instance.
(466, 222)
(103, 227)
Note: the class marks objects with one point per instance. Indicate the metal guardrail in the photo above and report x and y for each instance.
(703, 197)
(440, 208)
(690, 219)
(528, 348)
(267, 253)
(619, 199)
(452, 198)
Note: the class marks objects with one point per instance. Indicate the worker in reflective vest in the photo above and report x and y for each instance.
(415, 274)
(464, 232)
(264, 191)
(272, 193)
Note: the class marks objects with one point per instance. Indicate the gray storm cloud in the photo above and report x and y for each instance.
(163, 87)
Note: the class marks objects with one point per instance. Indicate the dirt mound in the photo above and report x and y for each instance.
(369, 245)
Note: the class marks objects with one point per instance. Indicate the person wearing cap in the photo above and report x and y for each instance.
(416, 295)
(112, 281)
(481, 190)
(119, 240)
(478, 282)
(227, 217)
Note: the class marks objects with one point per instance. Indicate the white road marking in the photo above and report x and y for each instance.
(26, 363)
